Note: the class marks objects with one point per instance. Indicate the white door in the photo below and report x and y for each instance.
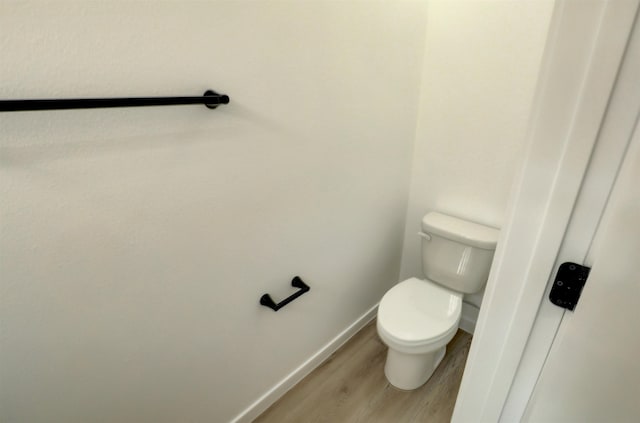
(525, 356)
(584, 234)
(592, 372)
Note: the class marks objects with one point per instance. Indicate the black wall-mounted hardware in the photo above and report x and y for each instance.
(211, 99)
(568, 285)
(267, 301)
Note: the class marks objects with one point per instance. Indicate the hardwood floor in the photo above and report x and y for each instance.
(351, 387)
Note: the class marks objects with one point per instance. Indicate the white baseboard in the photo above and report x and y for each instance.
(469, 317)
(271, 396)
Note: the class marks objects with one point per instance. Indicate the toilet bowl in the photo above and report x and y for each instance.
(416, 320)
(418, 317)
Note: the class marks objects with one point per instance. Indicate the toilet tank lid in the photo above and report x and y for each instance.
(464, 231)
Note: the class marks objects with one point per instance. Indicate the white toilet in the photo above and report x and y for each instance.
(417, 318)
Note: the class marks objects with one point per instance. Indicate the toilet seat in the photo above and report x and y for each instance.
(417, 316)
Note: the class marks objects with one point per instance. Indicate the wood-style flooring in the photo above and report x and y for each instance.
(350, 386)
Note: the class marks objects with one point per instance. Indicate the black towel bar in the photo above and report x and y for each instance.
(211, 99)
(267, 301)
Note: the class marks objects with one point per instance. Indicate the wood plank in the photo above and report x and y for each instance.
(350, 386)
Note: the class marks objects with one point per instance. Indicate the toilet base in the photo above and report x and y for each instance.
(411, 371)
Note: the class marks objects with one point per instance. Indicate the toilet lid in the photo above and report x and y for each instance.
(418, 310)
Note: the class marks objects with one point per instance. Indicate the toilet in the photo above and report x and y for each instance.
(418, 317)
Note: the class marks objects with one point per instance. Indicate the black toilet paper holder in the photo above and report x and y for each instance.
(296, 282)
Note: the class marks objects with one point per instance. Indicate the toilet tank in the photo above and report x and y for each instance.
(457, 253)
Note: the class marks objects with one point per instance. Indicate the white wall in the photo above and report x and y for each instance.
(478, 78)
(136, 243)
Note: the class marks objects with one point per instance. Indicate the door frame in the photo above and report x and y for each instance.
(584, 51)
(618, 131)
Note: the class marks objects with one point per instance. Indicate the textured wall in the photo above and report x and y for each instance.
(135, 243)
